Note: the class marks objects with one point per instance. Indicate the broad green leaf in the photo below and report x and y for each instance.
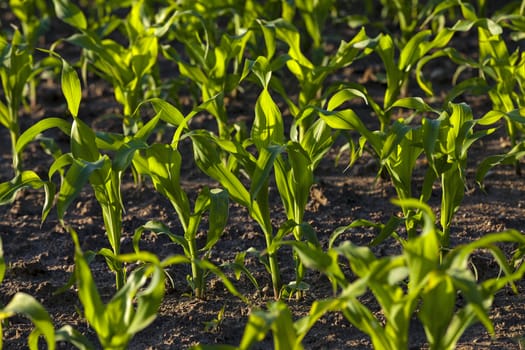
(83, 142)
(265, 163)
(167, 111)
(218, 218)
(76, 177)
(348, 120)
(164, 164)
(284, 333)
(148, 301)
(71, 88)
(208, 160)
(39, 127)
(415, 103)
(125, 154)
(268, 125)
(28, 306)
(269, 38)
(4, 115)
(70, 13)
(439, 298)
(74, 337)
(385, 50)
(158, 227)
(345, 95)
(9, 189)
(413, 50)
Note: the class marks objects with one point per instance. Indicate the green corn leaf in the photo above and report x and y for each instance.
(166, 111)
(218, 218)
(317, 141)
(125, 154)
(268, 125)
(28, 178)
(345, 95)
(28, 306)
(71, 88)
(412, 50)
(4, 115)
(71, 335)
(385, 50)
(148, 300)
(302, 176)
(39, 127)
(83, 142)
(158, 227)
(346, 120)
(476, 86)
(70, 13)
(87, 289)
(314, 258)
(174, 260)
(76, 177)
(9, 189)
(415, 103)
(208, 160)
(488, 163)
(269, 38)
(439, 298)
(284, 333)
(164, 165)
(257, 327)
(265, 163)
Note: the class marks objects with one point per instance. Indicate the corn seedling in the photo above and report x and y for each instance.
(446, 141)
(163, 167)
(16, 69)
(126, 68)
(417, 277)
(131, 309)
(210, 64)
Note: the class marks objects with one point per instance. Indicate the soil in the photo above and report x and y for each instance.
(40, 256)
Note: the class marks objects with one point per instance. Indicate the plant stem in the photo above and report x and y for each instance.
(274, 266)
(196, 271)
(17, 164)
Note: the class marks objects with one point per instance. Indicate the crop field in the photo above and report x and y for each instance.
(227, 174)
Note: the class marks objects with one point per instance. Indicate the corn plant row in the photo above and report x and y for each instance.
(269, 47)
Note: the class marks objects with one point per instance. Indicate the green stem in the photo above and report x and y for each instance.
(196, 271)
(274, 266)
(17, 164)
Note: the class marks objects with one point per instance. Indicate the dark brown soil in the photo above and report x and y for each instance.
(40, 256)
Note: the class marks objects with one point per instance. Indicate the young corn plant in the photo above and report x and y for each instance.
(446, 141)
(207, 156)
(418, 282)
(311, 78)
(127, 68)
(163, 167)
(34, 17)
(87, 164)
(314, 15)
(215, 68)
(507, 71)
(397, 149)
(131, 309)
(15, 72)
(398, 71)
